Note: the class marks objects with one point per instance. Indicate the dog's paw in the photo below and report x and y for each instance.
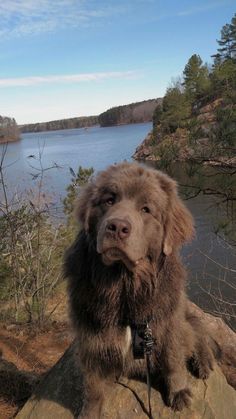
(202, 366)
(204, 370)
(181, 399)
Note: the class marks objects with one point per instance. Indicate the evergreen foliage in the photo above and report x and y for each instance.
(196, 78)
(176, 110)
(156, 118)
(227, 43)
(225, 133)
(224, 77)
(204, 104)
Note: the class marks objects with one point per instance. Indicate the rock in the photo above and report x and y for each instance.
(211, 107)
(226, 340)
(60, 394)
(143, 151)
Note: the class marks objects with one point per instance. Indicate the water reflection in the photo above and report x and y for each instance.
(210, 194)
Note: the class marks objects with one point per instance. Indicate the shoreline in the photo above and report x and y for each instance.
(145, 152)
(87, 128)
(6, 141)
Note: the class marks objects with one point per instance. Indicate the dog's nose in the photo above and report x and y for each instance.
(119, 228)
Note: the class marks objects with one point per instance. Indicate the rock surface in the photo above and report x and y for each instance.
(186, 144)
(60, 394)
(226, 340)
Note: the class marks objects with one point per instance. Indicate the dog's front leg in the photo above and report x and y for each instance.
(94, 387)
(174, 373)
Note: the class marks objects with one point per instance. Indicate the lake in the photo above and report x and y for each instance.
(209, 258)
(95, 146)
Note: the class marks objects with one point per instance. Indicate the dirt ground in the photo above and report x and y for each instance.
(24, 357)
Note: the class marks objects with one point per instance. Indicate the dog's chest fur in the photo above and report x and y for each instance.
(105, 302)
(106, 352)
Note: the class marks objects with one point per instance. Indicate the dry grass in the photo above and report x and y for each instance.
(25, 356)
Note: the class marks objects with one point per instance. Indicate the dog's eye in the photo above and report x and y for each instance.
(110, 201)
(146, 209)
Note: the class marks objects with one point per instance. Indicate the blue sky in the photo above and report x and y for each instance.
(66, 58)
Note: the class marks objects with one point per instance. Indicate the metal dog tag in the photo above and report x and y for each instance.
(142, 341)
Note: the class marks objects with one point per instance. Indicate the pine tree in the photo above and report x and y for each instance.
(156, 118)
(233, 36)
(176, 110)
(223, 75)
(227, 42)
(196, 77)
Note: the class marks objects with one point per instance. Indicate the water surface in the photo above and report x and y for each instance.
(95, 146)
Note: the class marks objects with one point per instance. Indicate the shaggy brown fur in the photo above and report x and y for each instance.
(124, 268)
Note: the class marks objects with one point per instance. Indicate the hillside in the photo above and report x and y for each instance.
(9, 131)
(126, 114)
(197, 117)
(79, 122)
(129, 114)
(209, 136)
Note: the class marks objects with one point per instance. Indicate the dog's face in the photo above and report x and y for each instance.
(133, 213)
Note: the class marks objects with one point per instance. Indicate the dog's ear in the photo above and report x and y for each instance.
(178, 227)
(83, 205)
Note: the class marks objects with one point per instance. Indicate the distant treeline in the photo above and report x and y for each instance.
(126, 114)
(129, 114)
(79, 122)
(8, 130)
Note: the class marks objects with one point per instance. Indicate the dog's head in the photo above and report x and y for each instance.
(133, 213)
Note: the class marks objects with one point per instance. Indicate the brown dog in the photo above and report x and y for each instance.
(124, 270)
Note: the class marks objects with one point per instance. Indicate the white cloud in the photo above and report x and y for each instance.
(72, 78)
(203, 8)
(32, 17)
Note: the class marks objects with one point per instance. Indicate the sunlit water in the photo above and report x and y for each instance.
(96, 147)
